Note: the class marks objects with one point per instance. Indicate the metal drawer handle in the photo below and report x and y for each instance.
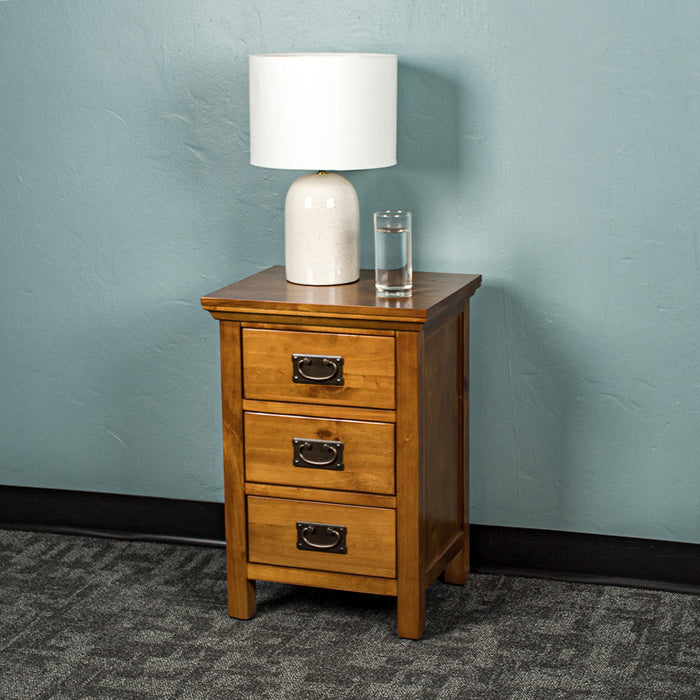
(321, 537)
(318, 454)
(326, 361)
(318, 463)
(328, 370)
(311, 530)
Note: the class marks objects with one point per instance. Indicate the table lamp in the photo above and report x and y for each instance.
(322, 112)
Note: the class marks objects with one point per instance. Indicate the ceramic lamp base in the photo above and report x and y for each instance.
(322, 231)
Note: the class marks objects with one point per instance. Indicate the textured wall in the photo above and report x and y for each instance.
(551, 146)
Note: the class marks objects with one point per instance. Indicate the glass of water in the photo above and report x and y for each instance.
(393, 269)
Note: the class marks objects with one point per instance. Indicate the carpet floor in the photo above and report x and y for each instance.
(95, 618)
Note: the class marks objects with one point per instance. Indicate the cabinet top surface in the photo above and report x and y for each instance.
(269, 292)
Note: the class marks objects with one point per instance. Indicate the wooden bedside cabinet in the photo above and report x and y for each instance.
(345, 431)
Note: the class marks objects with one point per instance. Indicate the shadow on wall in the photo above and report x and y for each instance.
(523, 386)
(432, 121)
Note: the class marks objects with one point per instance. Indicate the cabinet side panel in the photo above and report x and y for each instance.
(457, 570)
(442, 430)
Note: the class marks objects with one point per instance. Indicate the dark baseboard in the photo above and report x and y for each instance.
(112, 515)
(570, 556)
(581, 557)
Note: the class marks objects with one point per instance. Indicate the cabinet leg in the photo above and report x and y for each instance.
(241, 599)
(457, 571)
(411, 615)
(241, 590)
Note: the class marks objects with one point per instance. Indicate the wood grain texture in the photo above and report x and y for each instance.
(371, 536)
(241, 591)
(368, 367)
(441, 432)
(457, 571)
(343, 323)
(410, 542)
(323, 579)
(380, 415)
(448, 555)
(406, 368)
(368, 452)
(304, 325)
(299, 493)
(268, 292)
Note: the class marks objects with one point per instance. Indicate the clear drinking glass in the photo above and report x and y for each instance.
(393, 268)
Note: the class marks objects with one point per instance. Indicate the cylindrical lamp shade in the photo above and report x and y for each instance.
(323, 111)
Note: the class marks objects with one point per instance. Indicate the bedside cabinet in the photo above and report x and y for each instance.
(345, 433)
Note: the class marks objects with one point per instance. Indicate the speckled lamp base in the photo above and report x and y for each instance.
(322, 231)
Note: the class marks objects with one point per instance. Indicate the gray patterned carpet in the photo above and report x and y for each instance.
(94, 618)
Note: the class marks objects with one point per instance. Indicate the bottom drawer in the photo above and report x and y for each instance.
(360, 540)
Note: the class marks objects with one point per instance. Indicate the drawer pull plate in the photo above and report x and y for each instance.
(317, 369)
(319, 537)
(318, 454)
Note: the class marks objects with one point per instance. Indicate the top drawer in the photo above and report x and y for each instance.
(365, 361)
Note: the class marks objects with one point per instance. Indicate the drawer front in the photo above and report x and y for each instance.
(365, 362)
(319, 453)
(368, 536)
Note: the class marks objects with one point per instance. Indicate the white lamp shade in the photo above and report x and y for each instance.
(323, 111)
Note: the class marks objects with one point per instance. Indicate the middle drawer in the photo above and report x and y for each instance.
(319, 453)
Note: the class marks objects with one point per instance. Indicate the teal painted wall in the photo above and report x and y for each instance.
(553, 147)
